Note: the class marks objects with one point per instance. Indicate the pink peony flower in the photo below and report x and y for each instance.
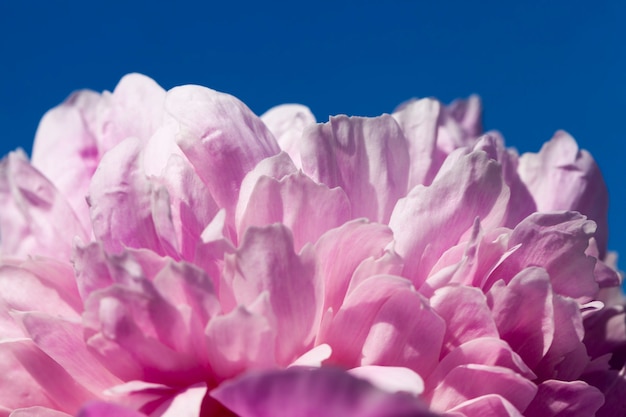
(172, 254)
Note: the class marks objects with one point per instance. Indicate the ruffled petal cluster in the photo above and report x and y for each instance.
(169, 253)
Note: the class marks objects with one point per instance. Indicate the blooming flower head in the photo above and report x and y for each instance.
(169, 253)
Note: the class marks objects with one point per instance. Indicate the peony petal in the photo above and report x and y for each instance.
(35, 219)
(529, 330)
(192, 207)
(565, 399)
(66, 150)
(22, 290)
(491, 405)
(406, 332)
(324, 392)
(390, 378)
(103, 409)
(351, 325)
(488, 351)
(456, 387)
(287, 122)
(243, 339)
(265, 261)
(65, 392)
(63, 342)
(556, 242)
(342, 250)
(38, 412)
(471, 187)
(419, 121)
(221, 137)
(134, 109)
(127, 209)
(288, 201)
(561, 166)
(466, 314)
(366, 157)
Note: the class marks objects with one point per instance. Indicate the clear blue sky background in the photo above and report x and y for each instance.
(538, 65)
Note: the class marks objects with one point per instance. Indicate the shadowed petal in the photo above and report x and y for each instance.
(312, 393)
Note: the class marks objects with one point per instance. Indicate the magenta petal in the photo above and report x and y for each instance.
(565, 399)
(35, 218)
(472, 186)
(366, 157)
(103, 409)
(221, 137)
(288, 201)
(562, 177)
(324, 392)
(266, 261)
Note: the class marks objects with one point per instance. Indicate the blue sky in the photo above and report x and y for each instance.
(539, 66)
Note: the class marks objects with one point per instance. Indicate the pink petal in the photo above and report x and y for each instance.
(63, 342)
(135, 329)
(38, 412)
(288, 201)
(466, 314)
(35, 218)
(134, 109)
(353, 322)
(419, 121)
(342, 250)
(287, 122)
(468, 114)
(192, 207)
(23, 290)
(567, 357)
(243, 339)
(562, 177)
(456, 387)
(64, 391)
(221, 137)
(556, 242)
(66, 151)
(491, 405)
(390, 378)
(405, 332)
(276, 167)
(565, 399)
(266, 261)
(524, 313)
(366, 157)
(311, 393)
(470, 187)
(127, 209)
(482, 351)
